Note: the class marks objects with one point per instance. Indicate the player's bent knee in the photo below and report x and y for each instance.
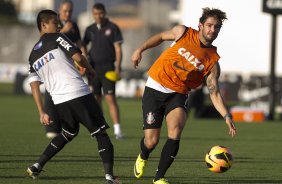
(102, 135)
(151, 143)
(102, 132)
(69, 136)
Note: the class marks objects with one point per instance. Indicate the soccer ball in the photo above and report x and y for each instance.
(219, 159)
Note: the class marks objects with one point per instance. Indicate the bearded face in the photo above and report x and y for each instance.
(210, 29)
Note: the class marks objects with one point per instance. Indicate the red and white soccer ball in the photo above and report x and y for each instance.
(219, 159)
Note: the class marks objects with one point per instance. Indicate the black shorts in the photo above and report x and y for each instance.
(51, 111)
(156, 105)
(84, 110)
(100, 82)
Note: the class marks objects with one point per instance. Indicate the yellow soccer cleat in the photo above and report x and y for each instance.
(139, 167)
(161, 181)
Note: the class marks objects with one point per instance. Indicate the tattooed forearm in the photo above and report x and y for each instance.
(211, 86)
(212, 79)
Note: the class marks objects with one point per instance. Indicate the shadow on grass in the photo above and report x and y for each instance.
(96, 158)
(189, 180)
(264, 181)
(130, 180)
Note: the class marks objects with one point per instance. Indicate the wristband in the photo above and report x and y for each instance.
(228, 115)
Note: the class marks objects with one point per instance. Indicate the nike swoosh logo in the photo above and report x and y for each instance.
(211, 159)
(176, 65)
(135, 171)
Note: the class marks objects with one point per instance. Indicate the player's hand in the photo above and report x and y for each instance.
(231, 126)
(136, 58)
(68, 26)
(45, 119)
(81, 70)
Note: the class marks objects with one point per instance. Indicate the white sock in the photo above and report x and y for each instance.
(117, 130)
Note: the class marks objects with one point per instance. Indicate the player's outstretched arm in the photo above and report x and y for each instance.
(170, 35)
(216, 98)
(44, 118)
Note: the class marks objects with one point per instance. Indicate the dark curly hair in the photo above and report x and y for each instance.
(216, 13)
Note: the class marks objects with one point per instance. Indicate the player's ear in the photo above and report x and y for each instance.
(43, 25)
(200, 26)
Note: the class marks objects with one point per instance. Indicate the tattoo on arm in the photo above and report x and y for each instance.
(211, 86)
(212, 79)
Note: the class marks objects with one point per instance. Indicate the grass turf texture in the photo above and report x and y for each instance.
(256, 149)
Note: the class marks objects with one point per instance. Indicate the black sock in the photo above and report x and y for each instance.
(106, 151)
(52, 149)
(145, 152)
(168, 154)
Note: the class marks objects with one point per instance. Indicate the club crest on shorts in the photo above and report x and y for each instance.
(151, 118)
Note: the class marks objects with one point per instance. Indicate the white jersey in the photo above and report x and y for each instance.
(50, 63)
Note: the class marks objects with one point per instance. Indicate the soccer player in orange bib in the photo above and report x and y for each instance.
(190, 61)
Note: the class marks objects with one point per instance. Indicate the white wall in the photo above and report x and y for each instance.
(28, 9)
(244, 42)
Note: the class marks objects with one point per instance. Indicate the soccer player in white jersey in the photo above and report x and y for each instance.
(52, 62)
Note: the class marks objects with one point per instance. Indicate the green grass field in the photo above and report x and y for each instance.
(256, 150)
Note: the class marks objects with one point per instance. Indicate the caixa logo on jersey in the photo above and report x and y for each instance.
(64, 43)
(42, 61)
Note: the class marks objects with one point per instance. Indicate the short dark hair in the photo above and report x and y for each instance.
(99, 6)
(45, 16)
(66, 1)
(216, 13)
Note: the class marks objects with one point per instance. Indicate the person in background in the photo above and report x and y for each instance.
(196, 101)
(105, 55)
(190, 60)
(67, 25)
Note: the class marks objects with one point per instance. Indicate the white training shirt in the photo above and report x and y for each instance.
(151, 83)
(50, 63)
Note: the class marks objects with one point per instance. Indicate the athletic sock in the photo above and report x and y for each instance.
(52, 149)
(168, 154)
(38, 166)
(106, 151)
(117, 129)
(145, 152)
